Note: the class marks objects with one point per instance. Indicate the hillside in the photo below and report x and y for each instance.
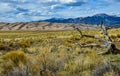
(40, 26)
(109, 20)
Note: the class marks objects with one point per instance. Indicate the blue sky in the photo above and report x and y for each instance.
(32, 10)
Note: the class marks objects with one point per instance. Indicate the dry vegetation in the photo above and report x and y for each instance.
(55, 53)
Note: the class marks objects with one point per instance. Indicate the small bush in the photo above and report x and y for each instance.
(24, 43)
(14, 59)
(14, 63)
(113, 36)
(2, 46)
(118, 35)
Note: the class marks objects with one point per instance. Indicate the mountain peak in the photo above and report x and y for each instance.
(102, 15)
(109, 20)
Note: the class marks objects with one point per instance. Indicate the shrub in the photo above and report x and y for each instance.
(14, 63)
(15, 57)
(24, 43)
(2, 46)
(113, 36)
(118, 35)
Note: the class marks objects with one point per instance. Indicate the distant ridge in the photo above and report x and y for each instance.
(109, 20)
(63, 24)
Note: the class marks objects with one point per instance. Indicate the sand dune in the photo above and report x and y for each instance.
(40, 26)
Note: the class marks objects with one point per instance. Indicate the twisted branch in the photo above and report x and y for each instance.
(111, 48)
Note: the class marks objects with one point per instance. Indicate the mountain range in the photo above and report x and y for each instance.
(109, 20)
(63, 24)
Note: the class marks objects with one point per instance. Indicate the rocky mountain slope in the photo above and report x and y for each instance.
(109, 20)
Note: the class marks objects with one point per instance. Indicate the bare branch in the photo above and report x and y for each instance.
(93, 45)
(108, 44)
(104, 30)
(95, 37)
(103, 53)
(80, 32)
(90, 36)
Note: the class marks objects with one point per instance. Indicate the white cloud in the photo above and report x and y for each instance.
(5, 7)
(61, 1)
(30, 10)
(112, 0)
(71, 7)
(68, 1)
(64, 1)
(55, 6)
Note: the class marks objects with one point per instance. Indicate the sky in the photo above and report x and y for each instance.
(34, 10)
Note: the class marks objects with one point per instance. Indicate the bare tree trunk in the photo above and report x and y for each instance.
(109, 45)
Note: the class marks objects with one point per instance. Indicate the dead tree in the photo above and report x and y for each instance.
(108, 44)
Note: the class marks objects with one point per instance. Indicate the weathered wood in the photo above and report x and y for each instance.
(108, 44)
(111, 48)
(93, 45)
(90, 36)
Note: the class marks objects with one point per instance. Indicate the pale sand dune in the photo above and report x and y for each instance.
(40, 26)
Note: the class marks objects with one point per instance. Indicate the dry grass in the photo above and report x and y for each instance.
(53, 51)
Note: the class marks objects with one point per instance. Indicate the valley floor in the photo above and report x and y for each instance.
(55, 53)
